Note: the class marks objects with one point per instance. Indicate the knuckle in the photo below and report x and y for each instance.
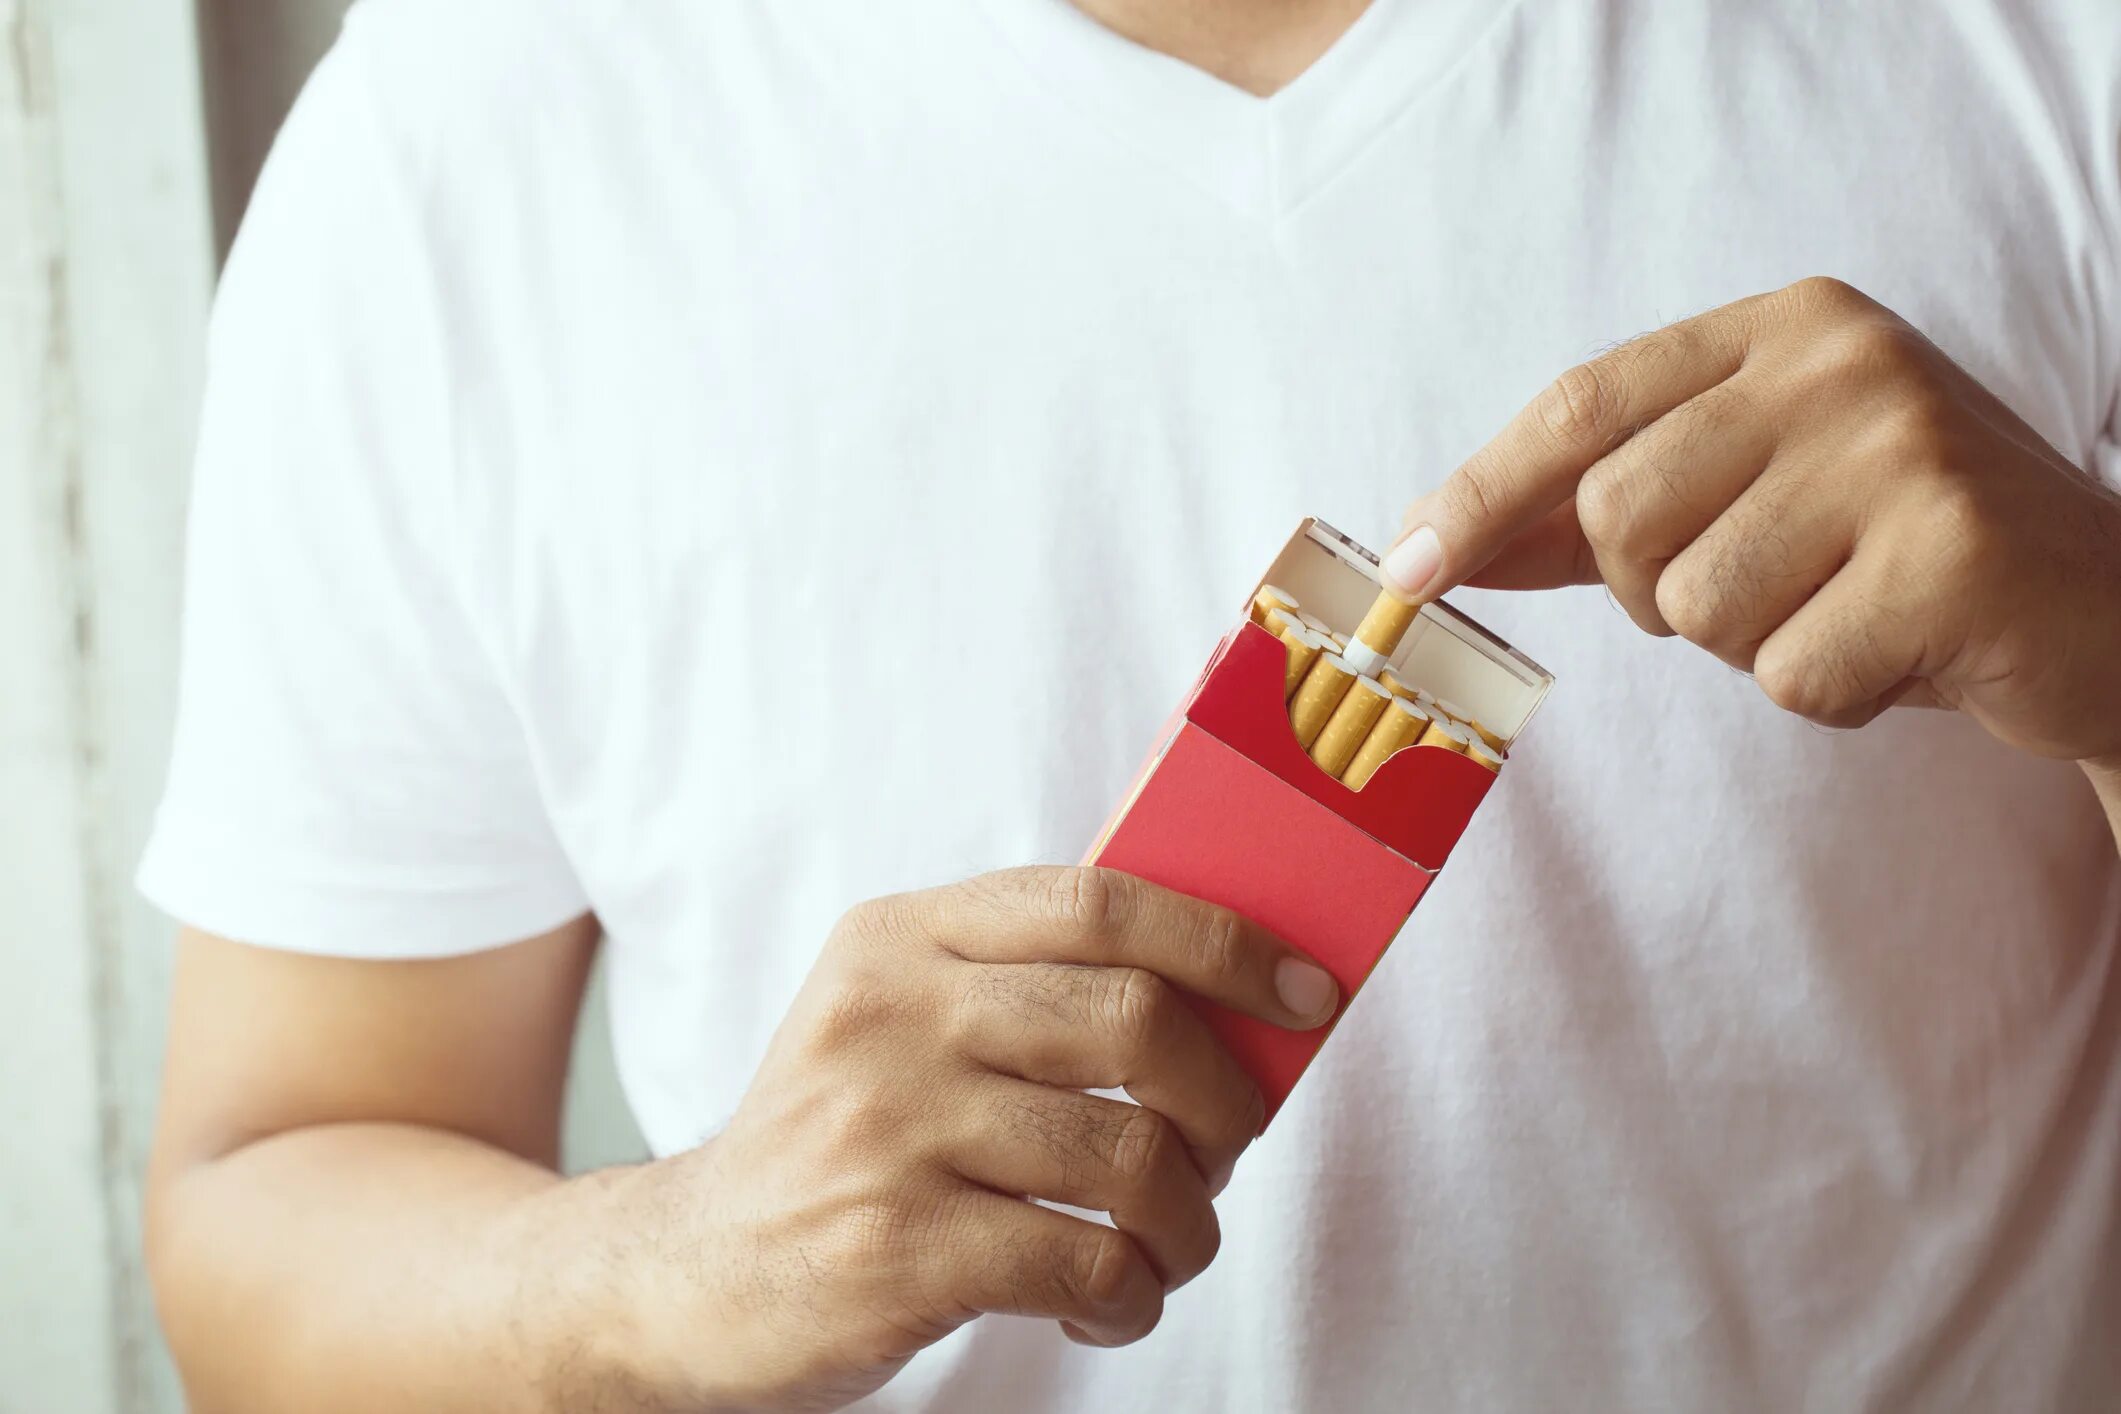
(965, 1014)
(1238, 1118)
(1787, 683)
(1824, 294)
(852, 1013)
(1474, 492)
(1880, 350)
(1085, 898)
(1960, 528)
(1225, 957)
(1202, 1244)
(1603, 508)
(886, 919)
(1142, 1145)
(1576, 408)
(1100, 1270)
(1141, 1007)
(1688, 604)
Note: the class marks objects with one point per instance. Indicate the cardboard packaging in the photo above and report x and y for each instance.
(1229, 807)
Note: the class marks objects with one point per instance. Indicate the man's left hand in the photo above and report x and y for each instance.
(1804, 485)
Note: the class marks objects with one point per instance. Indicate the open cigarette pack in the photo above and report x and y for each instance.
(1234, 805)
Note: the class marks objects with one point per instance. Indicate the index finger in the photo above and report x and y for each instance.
(1105, 918)
(1532, 467)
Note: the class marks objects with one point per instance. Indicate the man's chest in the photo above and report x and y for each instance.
(929, 495)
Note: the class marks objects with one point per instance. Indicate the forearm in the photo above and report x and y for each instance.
(361, 1267)
(2106, 780)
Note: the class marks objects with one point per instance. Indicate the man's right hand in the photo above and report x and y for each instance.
(869, 1195)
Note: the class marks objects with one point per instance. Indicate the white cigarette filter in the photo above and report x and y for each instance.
(1400, 725)
(1486, 755)
(1303, 648)
(1279, 621)
(1269, 598)
(1449, 735)
(1316, 697)
(1345, 731)
(1377, 636)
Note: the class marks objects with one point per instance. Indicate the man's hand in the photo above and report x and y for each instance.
(868, 1197)
(1805, 486)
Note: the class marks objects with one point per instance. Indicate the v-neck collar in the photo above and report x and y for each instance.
(1263, 156)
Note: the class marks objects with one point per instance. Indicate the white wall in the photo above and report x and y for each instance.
(108, 205)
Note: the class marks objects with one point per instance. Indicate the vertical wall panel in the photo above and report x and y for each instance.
(138, 260)
(119, 176)
(58, 1339)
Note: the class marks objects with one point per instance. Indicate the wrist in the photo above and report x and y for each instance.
(587, 1313)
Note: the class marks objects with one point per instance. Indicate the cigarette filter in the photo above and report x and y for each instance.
(1398, 685)
(1349, 726)
(1451, 709)
(1449, 735)
(1274, 621)
(1377, 636)
(1493, 742)
(1267, 599)
(1304, 647)
(1340, 642)
(1401, 725)
(1320, 692)
(1314, 623)
(1483, 753)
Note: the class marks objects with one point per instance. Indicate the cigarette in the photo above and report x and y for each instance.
(1377, 636)
(1452, 710)
(1401, 725)
(1269, 598)
(1303, 648)
(1279, 621)
(1493, 742)
(1448, 735)
(1314, 623)
(1487, 756)
(1349, 726)
(1399, 686)
(1316, 697)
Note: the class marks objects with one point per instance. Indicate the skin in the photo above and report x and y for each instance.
(1260, 46)
(352, 1199)
(1806, 487)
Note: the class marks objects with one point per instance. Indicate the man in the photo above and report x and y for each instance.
(742, 477)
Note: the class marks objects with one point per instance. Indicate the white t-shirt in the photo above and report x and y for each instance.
(713, 463)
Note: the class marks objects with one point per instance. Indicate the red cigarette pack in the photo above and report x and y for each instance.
(1229, 807)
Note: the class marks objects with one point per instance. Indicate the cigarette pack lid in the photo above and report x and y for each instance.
(1445, 653)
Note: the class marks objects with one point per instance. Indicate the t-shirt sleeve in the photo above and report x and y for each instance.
(350, 773)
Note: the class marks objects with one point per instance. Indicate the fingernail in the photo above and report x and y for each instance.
(1305, 989)
(1411, 565)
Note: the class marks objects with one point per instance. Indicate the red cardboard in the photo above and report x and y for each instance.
(1230, 808)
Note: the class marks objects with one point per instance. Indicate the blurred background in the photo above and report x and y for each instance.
(130, 132)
